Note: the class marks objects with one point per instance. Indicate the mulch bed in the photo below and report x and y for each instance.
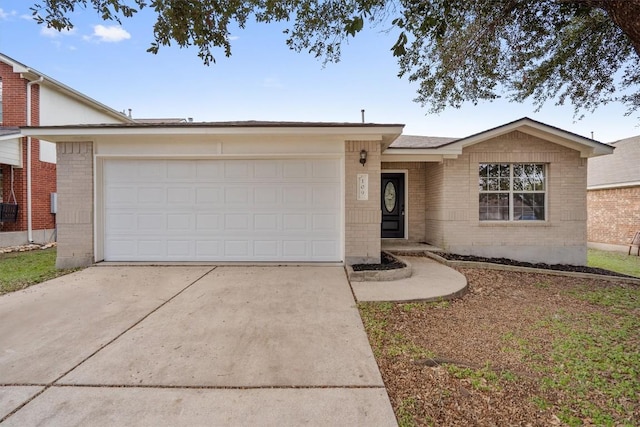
(388, 262)
(556, 267)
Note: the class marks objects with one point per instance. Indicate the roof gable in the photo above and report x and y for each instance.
(587, 147)
(620, 169)
(34, 75)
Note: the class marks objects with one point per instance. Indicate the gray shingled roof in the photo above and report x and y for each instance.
(416, 141)
(238, 124)
(161, 120)
(623, 166)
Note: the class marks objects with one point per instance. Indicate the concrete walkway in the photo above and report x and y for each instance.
(430, 281)
(189, 346)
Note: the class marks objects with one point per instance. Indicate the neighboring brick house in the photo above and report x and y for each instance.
(316, 192)
(613, 196)
(28, 165)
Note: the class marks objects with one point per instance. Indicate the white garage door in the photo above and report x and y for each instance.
(222, 210)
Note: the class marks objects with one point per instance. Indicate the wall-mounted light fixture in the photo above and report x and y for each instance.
(363, 157)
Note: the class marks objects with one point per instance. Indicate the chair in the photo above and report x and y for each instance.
(635, 242)
(8, 212)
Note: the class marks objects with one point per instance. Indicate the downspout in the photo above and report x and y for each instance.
(29, 201)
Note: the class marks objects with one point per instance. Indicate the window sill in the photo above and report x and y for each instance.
(514, 223)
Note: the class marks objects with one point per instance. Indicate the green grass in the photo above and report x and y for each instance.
(614, 261)
(383, 341)
(594, 358)
(587, 368)
(19, 270)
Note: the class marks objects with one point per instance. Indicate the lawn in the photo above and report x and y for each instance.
(614, 261)
(19, 270)
(517, 349)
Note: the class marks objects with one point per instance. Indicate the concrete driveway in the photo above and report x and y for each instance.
(190, 346)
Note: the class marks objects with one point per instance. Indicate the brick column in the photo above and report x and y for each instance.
(362, 217)
(75, 204)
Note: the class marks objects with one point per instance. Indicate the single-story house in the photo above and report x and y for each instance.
(613, 197)
(316, 192)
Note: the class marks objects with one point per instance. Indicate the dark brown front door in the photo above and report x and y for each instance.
(392, 199)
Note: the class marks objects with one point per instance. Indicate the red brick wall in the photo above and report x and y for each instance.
(14, 97)
(43, 175)
(613, 215)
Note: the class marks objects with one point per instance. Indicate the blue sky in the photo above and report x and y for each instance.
(262, 80)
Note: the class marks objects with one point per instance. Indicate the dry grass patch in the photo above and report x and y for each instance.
(518, 349)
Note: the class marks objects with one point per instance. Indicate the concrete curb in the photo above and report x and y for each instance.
(491, 266)
(380, 275)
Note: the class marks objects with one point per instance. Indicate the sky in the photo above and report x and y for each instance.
(262, 80)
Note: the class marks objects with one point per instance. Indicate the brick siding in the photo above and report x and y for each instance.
(75, 203)
(452, 213)
(362, 217)
(613, 215)
(43, 174)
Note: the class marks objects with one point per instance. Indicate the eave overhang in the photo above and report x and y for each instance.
(386, 134)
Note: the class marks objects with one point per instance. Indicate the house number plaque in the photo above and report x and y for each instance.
(363, 186)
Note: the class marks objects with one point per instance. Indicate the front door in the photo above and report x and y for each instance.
(392, 198)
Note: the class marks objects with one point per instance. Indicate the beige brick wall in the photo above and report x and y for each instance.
(434, 203)
(75, 204)
(417, 194)
(614, 215)
(560, 239)
(362, 217)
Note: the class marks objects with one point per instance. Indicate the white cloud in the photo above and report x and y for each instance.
(26, 17)
(5, 15)
(53, 33)
(111, 34)
(232, 38)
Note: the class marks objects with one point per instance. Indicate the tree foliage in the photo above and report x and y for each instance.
(586, 52)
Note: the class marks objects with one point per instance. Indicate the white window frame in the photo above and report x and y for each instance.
(510, 192)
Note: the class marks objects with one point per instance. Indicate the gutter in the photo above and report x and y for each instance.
(29, 201)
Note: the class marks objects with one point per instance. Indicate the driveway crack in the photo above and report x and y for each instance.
(52, 383)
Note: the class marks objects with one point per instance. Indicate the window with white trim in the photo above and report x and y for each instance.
(512, 192)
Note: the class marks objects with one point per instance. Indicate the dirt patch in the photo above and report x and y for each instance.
(388, 262)
(491, 358)
(555, 267)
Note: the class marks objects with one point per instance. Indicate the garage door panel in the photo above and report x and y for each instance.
(151, 248)
(208, 195)
(208, 249)
(180, 248)
(180, 195)
(325, 169)
(236, 195)
(208, 169)
(180, 170)
(152, 171)
(222, 210)
(236, 170)
(208, 222)
(180, 222)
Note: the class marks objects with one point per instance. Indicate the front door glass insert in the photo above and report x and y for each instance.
(390, 197)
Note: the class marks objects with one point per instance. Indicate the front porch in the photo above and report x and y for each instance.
(402, 246)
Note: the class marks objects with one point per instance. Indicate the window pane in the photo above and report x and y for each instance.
(504, 184)
(528, 177)
(494, 207)
(528, 206)
(482, 184)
